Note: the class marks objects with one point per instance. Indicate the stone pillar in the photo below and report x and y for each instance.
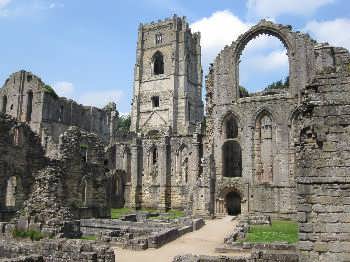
(164, 173)
(136, 174)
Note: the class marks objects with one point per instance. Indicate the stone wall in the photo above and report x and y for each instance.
(21, 156)
(56, 251)
(322, 139)
(27, 98)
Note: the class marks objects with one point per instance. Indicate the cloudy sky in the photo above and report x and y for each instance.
(85, 49)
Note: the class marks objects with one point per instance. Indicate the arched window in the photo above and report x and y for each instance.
(29, 106)
(4, 104)
(84, 192)
(154, 156)
(231, 128)
(158, 63)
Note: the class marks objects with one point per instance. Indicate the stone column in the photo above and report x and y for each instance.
(195, 163)
(164, 173)
(136, 174)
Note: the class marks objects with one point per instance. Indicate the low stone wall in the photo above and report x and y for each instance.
(257, 256)
(55, 251)
(139, 235)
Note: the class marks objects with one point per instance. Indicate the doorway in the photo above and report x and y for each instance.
(233, 203)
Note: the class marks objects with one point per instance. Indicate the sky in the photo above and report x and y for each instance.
(86, 49)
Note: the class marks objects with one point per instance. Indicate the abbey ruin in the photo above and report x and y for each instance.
(279, 153)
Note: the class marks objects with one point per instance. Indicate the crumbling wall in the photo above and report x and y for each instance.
(322, 139)
(21, 156)
(56, 250)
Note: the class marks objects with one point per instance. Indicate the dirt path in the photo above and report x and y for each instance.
(201, 242)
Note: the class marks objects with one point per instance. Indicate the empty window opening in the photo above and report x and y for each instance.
(29, 106)
(189, 111)
(263, 66)
(84, 192)
(233, 203)
(29, 78)
(60, 114)
(159, 38)
(154, 156)
(4, 104)
(158, 63)
(155, 101)
(232, 159)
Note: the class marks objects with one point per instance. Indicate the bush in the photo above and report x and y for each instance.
(32, 234)
(48, 89)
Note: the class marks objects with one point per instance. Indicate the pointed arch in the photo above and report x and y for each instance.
(158, 63)
(230, 126)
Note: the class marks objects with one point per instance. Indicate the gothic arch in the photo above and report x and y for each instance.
(296, 57)
(227, 115)
(158, 63)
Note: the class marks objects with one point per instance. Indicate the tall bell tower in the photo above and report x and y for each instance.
(167, 90)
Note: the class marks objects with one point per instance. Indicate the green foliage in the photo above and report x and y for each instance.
(84, 146)
(278, 85)
(243, 92)
(32, 234)
(172, 214)
(89, 238)
(123, 124)
(48, 89)
(279, 231)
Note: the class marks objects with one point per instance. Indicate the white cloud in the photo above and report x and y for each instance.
(276, 60)
(218, 30)
(4, 3)
(274, 8)
(100, 98)
(64, 88)
(335, 32)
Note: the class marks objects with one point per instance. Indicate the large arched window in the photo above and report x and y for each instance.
(263, 66)
(158, 63)
(4, 104)
(29, 106)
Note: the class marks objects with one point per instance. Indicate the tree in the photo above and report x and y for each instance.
(123, 124)
(278, 84)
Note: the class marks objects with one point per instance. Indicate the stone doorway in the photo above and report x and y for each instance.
(233, 203)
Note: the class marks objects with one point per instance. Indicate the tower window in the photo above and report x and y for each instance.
(158, 63)
(155, 101)
(159, 38)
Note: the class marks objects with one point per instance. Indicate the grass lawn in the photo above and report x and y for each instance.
(119, 212)
(286, 231)
(89, 237)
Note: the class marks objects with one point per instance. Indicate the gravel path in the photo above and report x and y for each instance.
(200, 242)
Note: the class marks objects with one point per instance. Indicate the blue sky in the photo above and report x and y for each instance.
(86, 49)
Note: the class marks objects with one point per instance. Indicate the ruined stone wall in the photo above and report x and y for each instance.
(56, 250)
(322, 139)
(178, 87)
(168, 169)
(21, 156)
(256, 160)
(27, 98)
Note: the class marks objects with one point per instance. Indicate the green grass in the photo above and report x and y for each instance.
(279, 231)
(32, 234)
(89, 238)
(119, 212)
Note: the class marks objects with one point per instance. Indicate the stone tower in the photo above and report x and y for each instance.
(167, 91)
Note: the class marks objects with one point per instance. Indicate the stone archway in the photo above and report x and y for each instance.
(233, 203)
